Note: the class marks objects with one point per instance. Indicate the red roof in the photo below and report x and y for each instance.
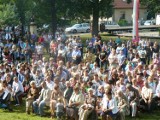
(122, 4)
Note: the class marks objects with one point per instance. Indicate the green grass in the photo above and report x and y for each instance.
(19, 114)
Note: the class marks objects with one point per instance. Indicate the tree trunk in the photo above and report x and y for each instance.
(95, 18)
(54, 17)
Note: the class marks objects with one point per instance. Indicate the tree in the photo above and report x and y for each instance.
(85, 8)
(7, 14)
(152, 6)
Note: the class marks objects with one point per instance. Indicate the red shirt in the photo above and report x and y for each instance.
(41, 39)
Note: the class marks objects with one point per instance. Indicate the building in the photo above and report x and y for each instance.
(123, 10)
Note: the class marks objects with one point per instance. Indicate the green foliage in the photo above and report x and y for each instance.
(7, 14)
(152, 6)
(122, 22)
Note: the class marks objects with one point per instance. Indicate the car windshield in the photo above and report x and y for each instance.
(148, 21)
(76, 25)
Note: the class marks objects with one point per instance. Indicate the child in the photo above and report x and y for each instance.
(59, 109)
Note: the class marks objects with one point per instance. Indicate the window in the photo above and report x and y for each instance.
(122, 15)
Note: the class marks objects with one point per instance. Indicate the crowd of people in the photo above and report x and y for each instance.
(79, 80)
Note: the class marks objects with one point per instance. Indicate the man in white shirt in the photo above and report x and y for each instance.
(76, 55)
(17, 90)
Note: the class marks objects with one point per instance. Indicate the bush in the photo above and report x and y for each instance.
(123, 22)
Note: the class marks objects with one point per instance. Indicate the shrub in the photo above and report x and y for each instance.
(123, 22)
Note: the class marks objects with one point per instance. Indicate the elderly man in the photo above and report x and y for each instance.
(43, 100)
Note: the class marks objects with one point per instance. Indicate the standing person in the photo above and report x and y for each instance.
(148, 54)
(1, 49)
(53, 47)
(121, 60)
(112, 58)
(103, 58)
(76, 55)
(118, 40)
(142, 54)
(46, 42)
(39, 50)
(27, 49)
(155, 49)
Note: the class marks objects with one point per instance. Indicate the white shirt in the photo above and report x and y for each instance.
(76, 53)
(39, 49)
(158, 90)
(17, 86)
(50, 85)
(110, 104)
(146, 92)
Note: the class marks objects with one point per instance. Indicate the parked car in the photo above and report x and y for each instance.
(149, 22)
(78, 28)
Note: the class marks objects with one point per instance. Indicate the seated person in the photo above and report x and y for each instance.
(4, 99)
(109, 105)
(17, 90)
(133, 97)
(88, 106)
(75, 102)
(59, 108)
(147, 97)
(33, 94)
(43, 100)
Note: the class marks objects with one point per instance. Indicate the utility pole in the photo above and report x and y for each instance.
(135, 16)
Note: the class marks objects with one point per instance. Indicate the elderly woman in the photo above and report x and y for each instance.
(56, 93)
(88, 106)
(123, 105)
(75, 102)
(32, 96)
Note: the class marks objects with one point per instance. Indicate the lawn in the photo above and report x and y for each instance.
(19, 114)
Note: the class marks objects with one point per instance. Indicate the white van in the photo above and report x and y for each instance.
(158, 19)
